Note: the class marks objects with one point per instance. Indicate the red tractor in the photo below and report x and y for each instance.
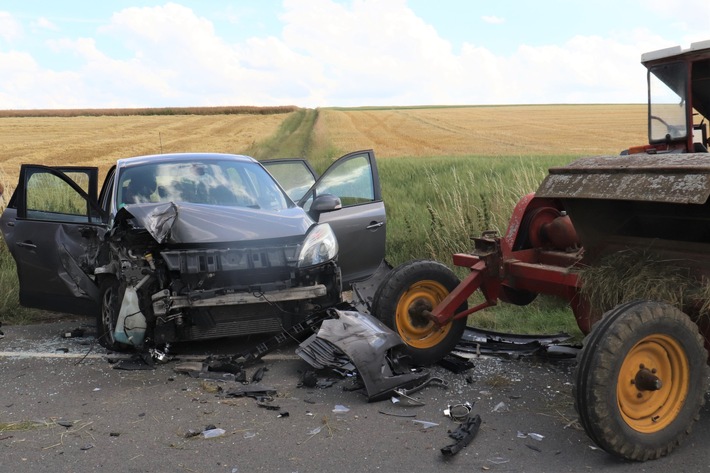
(642, 374)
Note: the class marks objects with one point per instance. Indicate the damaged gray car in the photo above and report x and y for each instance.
(180, 247)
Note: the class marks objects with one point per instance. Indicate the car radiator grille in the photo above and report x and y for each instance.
(236, 328)
(214, 260)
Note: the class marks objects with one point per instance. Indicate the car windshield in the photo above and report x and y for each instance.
(214, 182)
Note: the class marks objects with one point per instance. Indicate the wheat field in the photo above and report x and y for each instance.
(100, 141)
(531, 130)
(526, 130)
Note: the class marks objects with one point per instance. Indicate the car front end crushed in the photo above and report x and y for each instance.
(192, 291)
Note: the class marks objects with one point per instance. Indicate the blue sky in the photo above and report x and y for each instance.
(311, 53)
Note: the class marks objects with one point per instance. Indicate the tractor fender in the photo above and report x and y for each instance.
(517, 236)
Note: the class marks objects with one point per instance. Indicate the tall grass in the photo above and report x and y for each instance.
(435, 205)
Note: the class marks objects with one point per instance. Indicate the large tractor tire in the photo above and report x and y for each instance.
(641, 379)
(407, 292)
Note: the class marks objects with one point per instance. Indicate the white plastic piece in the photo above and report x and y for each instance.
(131, 324)
(212, 433)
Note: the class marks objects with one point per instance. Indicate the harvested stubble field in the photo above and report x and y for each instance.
(101, 140)
(524, 130)
(520, 131)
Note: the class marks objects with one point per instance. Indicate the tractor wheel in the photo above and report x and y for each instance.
(403, 297)
(111, 296)
(641, 379)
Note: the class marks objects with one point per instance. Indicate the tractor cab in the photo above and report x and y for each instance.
(678, 99)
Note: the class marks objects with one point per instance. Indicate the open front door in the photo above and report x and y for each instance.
(360, 225)
(52, 228)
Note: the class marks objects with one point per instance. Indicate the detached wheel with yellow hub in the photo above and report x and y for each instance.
(404, 302)
(641, 379)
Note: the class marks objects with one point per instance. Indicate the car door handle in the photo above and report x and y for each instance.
(374, 225)
(26, 244)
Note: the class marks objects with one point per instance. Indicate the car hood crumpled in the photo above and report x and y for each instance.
(182, 223)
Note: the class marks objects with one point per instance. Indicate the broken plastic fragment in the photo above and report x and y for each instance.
(405, 400)
(535, 436)
(425, 424)
(249, 435)
(501, 407)
(314, 431)
(498, 460)
(398, 414)
(212, 433)
(340, 409)
(77, 332)
(462, 435)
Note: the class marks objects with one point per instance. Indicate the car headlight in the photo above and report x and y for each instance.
(320, 246)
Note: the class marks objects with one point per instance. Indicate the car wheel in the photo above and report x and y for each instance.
(403, 297)
(641, 379)
(111, 296)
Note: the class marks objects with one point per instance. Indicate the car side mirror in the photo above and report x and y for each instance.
(325, 203)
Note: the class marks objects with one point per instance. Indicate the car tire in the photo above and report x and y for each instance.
(111, 296)
(408, 289)
(641, 379)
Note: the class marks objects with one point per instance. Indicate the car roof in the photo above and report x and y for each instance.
(181, 157)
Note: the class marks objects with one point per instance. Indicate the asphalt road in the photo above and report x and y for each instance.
(136, 421)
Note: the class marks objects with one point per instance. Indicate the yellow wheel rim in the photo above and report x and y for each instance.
(653, 383)
(413, 326)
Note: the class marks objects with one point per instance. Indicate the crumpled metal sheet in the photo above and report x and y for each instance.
(672, 178)
(183, 222)
(366, 342)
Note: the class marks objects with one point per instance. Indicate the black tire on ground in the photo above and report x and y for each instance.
(641, 379)
(111, 296)
(410, 288)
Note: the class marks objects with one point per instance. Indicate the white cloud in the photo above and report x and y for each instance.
(689, 17)
(44, 24)
(10, 27)
(494, 20)
(364, 52)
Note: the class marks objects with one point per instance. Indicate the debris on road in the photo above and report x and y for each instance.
(212, 433)
(353, 341)
(462, 435)
(458, 412)
(76, 333)
(486, 342)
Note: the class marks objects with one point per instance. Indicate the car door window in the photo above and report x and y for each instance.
(351, 180)
(294, 175)
(49, 197)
